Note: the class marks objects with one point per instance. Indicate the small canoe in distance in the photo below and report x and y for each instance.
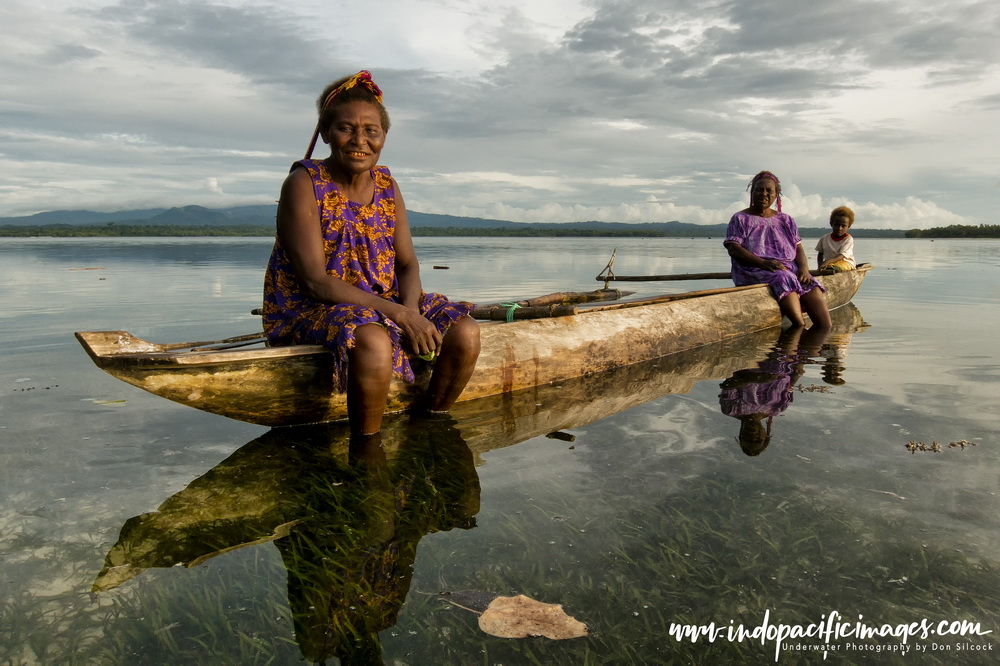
(279, 386)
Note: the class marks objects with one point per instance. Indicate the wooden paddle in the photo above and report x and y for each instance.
(238, 341)
(671, 297)
(680, 276)
(663, 278)
(607, 275)
(558, 304)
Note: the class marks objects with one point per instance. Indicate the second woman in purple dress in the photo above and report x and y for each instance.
(765, 248)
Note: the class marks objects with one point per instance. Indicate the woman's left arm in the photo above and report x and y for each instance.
(419, 332)
(802, 263)
(407, 267)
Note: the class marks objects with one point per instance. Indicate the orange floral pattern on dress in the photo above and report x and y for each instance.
(359, 243)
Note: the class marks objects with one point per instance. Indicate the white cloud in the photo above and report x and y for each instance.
(627, 110)
(626, 124)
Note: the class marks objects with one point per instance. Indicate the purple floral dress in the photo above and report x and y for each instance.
(774, 237)
(359, 241)
(766, 390)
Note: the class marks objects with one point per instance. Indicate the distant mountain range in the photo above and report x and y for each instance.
(263, 216)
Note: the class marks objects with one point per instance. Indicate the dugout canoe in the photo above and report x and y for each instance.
(281, 386)
(247, 499)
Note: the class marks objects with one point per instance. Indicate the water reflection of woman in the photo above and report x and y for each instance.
(346, 520)
(350, 565)
(756, 395)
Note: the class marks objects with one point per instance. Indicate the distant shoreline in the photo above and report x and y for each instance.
(258, 220)
(541, 231)
(231, 230)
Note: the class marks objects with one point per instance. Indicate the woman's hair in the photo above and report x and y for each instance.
(845, 211)
(762, 176)
(754, 435)
(355, 88)
(360, 92)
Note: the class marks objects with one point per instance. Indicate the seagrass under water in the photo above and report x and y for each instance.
(650, 516)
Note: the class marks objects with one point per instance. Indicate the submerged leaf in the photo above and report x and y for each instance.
(521, 616)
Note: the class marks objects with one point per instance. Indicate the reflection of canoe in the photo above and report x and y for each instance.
(295, 481)
(247, 499)
(503, 420)
(292, 385)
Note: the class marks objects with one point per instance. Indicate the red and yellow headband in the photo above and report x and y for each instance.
(362, 78)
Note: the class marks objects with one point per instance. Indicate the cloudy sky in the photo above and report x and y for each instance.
(617, 110)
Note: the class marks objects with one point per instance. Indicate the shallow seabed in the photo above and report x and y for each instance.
(137, 531)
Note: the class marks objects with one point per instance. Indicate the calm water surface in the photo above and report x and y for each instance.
(134, 530)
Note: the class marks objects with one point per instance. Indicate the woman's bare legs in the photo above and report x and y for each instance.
(792, 308)
(368, 375)
(370, 372)
(454, 366)
(814, 303)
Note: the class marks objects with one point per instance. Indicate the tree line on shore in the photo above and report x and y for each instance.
(133, 230)
(129, 230)
(159, 230)
(957, 231)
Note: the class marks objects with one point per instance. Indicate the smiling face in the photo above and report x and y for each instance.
(356, 137)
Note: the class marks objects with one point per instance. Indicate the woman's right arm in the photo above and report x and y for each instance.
(299, 232)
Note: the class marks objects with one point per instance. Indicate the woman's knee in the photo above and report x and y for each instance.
(814, 298)
(784, 282)
(790, 303)
(816, 307)
(372, 346)
(462, 338)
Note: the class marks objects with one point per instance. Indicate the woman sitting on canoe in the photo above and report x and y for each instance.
(343, 272)
(766, 249)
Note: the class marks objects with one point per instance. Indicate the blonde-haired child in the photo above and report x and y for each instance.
(836, 249)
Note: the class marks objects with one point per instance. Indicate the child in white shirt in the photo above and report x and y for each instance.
(836, 249)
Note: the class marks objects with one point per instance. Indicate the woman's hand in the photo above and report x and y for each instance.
(773, 265)
(802, 263)
(419, 334)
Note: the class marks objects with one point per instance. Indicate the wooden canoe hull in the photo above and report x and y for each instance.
(246, 500)
(282, 386)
